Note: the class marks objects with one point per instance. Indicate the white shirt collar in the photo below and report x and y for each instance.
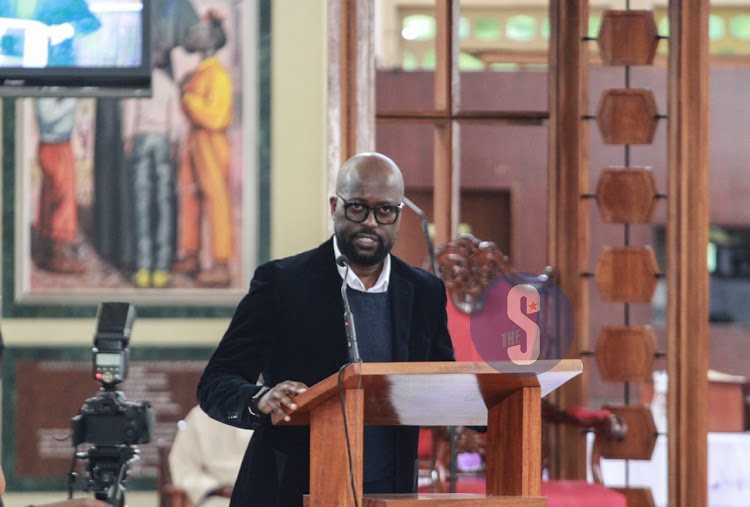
(353, 281)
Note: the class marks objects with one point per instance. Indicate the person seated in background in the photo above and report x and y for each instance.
(205, 458)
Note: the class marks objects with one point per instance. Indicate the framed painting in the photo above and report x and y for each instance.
(157, 201)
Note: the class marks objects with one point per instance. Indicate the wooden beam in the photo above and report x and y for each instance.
(445, 204)
(348, 78)
(568, 213)
(687, 241)
(446, 75)
(464, 117)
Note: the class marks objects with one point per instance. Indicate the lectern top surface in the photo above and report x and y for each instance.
(435, 393)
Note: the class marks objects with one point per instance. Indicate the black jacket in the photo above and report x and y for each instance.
(290, 327)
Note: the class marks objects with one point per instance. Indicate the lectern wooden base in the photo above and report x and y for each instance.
(448, 500)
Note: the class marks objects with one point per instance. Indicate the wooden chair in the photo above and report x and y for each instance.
(606, 426)
(468, 266)
(169, 494)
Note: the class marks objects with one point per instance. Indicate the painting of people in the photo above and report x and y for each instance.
(150, 197)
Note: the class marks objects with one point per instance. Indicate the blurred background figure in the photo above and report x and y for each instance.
(151, 128)
(113, 204)
(57, 226)
(204, 169)
(205, 458)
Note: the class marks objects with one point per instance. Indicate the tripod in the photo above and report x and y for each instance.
(108, 469)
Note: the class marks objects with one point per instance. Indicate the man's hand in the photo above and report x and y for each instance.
(279, 401)
(225, 491)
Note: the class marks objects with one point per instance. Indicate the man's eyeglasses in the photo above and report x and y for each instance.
(385, 214)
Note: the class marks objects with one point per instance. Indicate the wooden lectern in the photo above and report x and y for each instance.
(505, 397)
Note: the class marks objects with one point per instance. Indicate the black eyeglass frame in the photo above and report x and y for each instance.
(370, 209)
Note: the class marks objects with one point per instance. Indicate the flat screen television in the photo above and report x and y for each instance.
(75, 48)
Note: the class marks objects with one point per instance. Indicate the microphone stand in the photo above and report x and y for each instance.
(353, 351)
(452, 430)
(351, 333)
(426, 232)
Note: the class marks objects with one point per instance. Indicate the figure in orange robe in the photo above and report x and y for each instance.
(204, 171)
(57, 226)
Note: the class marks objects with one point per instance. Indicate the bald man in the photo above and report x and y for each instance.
(290, 328)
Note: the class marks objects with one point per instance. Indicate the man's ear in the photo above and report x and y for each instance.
(333, 201)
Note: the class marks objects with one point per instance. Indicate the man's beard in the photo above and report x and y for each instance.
(370, 259)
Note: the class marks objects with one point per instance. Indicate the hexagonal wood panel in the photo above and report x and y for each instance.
(626, 353)
(627, 116)
(640, 439)
(627, 274)
(628, 37)
(626, 195)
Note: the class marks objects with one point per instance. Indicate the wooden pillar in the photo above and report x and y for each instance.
(568, 211)
(351, 79)
(687, 241)
(446, 142)
(514, 457)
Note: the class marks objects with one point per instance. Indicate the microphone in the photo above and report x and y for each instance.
(426, 232)
(351, 333)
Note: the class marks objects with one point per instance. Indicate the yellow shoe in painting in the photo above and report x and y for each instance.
(161, 279)
(142, 278)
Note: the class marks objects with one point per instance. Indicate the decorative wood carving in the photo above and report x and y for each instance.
(626, 195)
(468, 266)
(626, 353)
(627, 116)
(627, 274)
(640, 439)
(628, 37)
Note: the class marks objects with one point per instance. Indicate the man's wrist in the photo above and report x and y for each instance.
(252, 405)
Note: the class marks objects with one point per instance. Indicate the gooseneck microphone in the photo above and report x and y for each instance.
(351, 333)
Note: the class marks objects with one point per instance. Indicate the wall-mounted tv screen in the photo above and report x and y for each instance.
(75, 47)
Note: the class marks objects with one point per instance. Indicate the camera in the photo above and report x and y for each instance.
(108, 421)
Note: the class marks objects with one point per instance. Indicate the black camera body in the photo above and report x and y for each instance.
(109, 422)
(109, 419)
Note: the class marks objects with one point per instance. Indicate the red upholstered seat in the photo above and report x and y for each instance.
(590, 416)
(475, 485)
(563, 493)
(559, 493)
(424, 451)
